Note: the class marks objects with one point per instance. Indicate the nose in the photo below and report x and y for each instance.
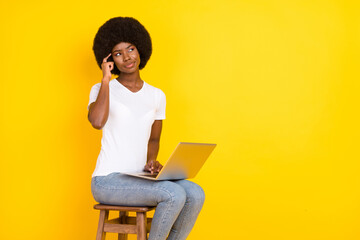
(126, 56)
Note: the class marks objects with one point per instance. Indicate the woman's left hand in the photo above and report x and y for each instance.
(153, 166)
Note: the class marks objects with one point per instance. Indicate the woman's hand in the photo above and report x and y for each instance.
(106, 68)
(153, 166)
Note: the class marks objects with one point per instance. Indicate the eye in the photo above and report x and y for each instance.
(131, 49)
(117, 54)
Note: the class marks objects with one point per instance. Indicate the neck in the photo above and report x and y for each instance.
(129, 79)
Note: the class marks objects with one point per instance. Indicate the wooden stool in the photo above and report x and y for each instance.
(124, 224)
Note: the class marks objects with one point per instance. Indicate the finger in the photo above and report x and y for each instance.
(107, 65)
(111, 66)
(146, 167)
(152, 166)
(157, 165)
(106, 58)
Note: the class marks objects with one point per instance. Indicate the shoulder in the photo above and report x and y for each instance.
(113, 83)
(96, 86)
(154, 90)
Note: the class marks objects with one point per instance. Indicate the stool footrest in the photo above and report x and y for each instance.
(120, 228)
(128, 220)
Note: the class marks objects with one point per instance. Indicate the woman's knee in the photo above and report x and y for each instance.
(195, 194)
(198, 194)
(173, 193)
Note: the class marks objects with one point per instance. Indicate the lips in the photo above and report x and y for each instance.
(130, 65)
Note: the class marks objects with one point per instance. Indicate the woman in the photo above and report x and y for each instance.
(130, 112)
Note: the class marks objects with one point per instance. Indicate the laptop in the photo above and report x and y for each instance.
(185, 162)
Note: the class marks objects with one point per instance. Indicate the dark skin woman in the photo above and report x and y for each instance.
(127, 59)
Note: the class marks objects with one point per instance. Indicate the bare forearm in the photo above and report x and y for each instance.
(99, 111)
(153, 149)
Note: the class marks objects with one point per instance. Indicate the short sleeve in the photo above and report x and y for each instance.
(160, 111)
(94, 93)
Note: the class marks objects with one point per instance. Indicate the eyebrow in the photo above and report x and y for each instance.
(118, 50)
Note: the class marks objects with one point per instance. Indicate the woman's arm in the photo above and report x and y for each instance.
(153, 148)
(99, 110)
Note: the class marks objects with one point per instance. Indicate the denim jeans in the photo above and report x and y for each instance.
(178, 202)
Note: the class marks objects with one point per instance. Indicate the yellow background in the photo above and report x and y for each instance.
(274, 83)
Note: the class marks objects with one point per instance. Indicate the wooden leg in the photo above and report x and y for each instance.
(122, 217)
(104, 214)
(148, 225)
(141, 225)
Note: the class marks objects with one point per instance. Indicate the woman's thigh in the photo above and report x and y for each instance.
(120, 189)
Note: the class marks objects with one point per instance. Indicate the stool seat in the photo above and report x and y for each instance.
(124, 224)
(123, 208)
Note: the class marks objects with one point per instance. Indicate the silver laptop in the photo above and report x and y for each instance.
(184, 162)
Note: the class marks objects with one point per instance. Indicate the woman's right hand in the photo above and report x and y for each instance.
(153, 166)
(106, 68)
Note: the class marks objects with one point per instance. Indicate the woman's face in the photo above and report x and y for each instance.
(126, 57)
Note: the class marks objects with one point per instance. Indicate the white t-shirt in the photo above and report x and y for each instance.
(126, 133)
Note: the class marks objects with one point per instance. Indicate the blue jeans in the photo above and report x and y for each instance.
(178, 202)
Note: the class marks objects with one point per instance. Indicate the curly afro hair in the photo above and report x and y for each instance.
(122, 29)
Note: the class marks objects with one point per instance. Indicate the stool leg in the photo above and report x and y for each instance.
(141, 225)
(122, 218)
(104, 214)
